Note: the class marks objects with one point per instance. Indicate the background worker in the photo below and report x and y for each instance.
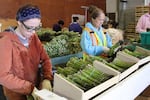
(21, 53)
(112, 24)
(75, 26)
(58, 27)
(93, 39)
(143, 24)
(115, 33)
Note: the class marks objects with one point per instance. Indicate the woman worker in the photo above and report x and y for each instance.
(94, 41)
(21, 52)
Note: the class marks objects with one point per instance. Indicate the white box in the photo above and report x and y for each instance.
(131, 69)
(48, 95)
(128, 71)
(67, 89)
(139, 63)
(144, 61)
(142, 50)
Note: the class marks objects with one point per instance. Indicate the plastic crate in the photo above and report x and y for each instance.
(145, 40)
(64, 59)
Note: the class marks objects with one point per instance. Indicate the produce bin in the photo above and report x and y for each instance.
(72, 92)
(138, 62)
(142, 50)
(145, 40)
(127, 58)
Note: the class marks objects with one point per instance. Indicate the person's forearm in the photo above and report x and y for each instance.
(16, 84)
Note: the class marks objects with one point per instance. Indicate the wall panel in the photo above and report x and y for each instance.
(51, 10)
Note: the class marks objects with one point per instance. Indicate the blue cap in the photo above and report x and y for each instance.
(28, 12)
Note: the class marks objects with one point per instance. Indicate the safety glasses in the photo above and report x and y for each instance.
(30, 28)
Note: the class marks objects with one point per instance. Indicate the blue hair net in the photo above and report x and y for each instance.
(28, 12)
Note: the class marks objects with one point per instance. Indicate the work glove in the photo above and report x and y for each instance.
(106, 49)
(46, 84)
(34, 95)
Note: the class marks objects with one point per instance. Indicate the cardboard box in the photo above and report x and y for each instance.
(127, 72)
(48, 95)
(142, 50)
(138, 62)
(127, 58)
(67, 89)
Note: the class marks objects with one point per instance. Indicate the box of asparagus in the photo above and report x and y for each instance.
(144, 55)
(140, 53)
(85, 83)
(131, 60)
(127, 63)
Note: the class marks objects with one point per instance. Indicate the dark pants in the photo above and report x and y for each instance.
(2, 97)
